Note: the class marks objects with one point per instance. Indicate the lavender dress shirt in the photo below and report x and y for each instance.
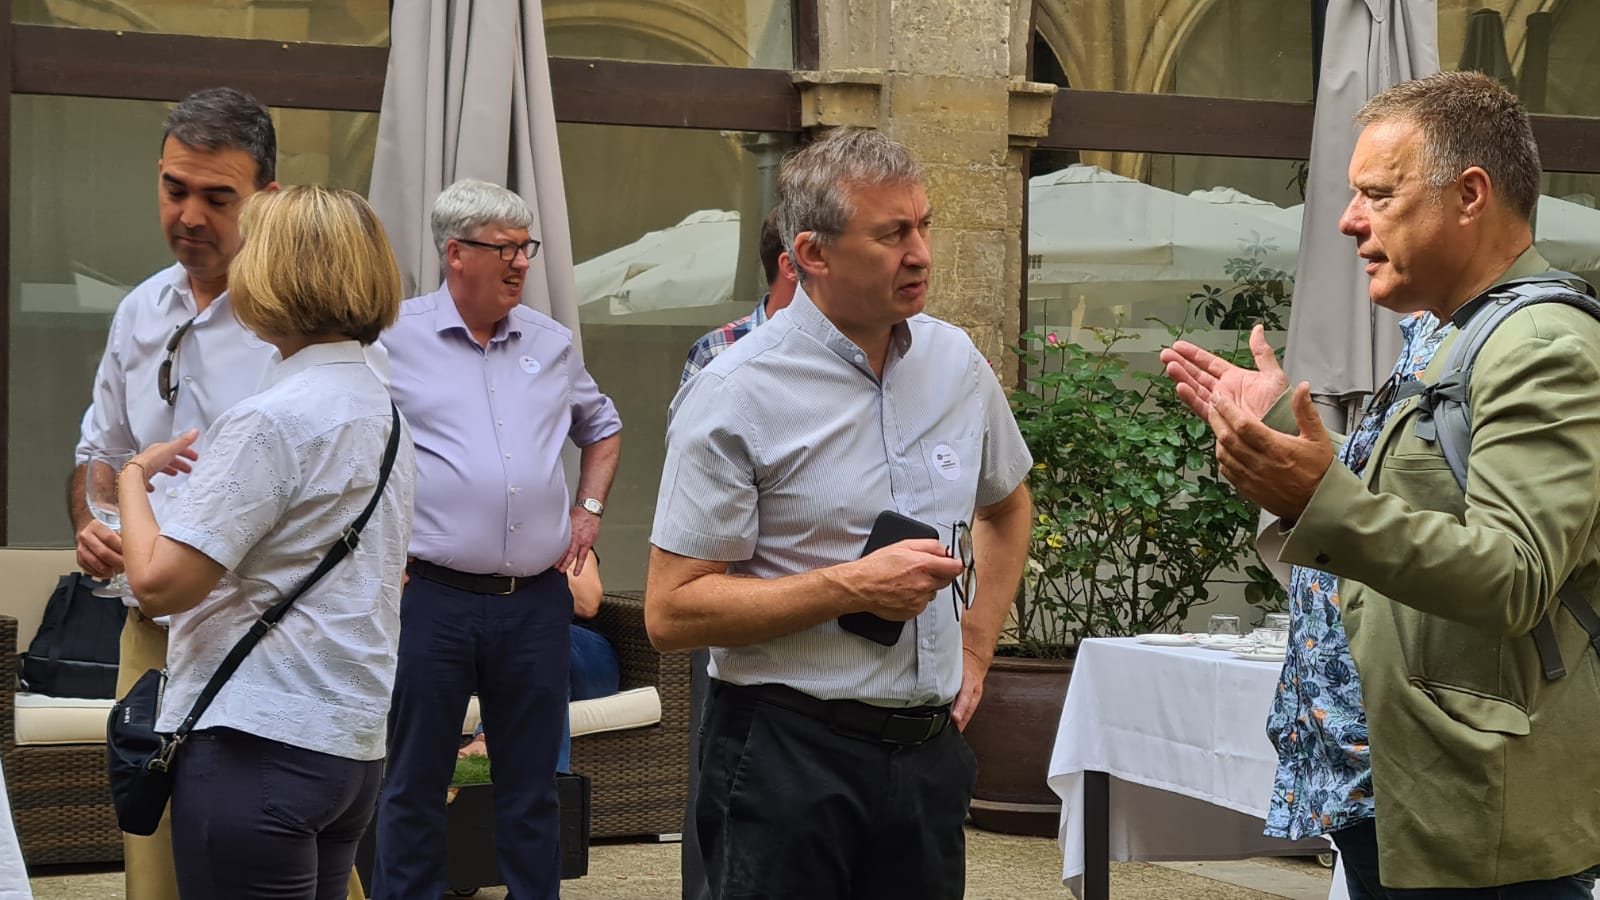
(489, 425)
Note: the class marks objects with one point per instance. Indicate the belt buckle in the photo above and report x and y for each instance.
(901, 729)
(511, 589)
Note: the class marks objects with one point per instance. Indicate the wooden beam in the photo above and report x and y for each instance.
(1568, 143)
(134, 66)
(1167, 123)
(608, 92)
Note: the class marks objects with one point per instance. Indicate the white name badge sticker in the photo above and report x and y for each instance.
(946, 463)
(530, 365)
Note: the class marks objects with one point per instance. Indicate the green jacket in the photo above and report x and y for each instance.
(1483, 772)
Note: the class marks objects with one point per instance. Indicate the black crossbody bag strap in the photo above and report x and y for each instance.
(341, 548)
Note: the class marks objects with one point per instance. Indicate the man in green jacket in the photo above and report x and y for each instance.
(1486, 775)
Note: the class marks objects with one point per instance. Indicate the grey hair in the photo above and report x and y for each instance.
(471, 204)
(1467, 119)
(815, 182)
(224, 118)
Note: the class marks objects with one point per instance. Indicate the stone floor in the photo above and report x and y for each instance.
(999, 867)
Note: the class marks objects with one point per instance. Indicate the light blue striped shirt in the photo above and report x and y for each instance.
(781, 454)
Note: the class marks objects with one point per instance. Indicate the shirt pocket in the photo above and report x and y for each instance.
(952, 465)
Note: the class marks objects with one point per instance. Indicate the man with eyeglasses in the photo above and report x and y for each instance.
(493, 391)
(829, 765)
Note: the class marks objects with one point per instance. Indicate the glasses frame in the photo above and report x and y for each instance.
(529, 249)
(165, 383)
(961, 590)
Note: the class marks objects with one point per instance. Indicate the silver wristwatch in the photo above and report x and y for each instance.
(590, 504)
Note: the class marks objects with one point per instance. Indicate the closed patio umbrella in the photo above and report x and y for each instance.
(1338, 341)
(467, 95)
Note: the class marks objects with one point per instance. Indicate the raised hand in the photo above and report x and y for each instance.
(1279, 472)
(1202, 377)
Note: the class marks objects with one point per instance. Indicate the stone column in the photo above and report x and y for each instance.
(947, 80)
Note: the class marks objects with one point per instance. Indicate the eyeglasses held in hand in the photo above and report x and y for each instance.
(165, 383)
(508, 252)
(961, 548)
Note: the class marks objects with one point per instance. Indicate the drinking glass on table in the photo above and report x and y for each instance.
(100, 493)
(1276, 621)
(1223, 624)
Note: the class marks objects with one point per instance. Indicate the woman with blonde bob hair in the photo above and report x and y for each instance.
(276, 783)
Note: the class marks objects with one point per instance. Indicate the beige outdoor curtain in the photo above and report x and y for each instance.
(1338, 341)
(467, 95)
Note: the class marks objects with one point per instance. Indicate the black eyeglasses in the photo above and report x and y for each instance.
(165, 383)
(508, 252)
(961, 548)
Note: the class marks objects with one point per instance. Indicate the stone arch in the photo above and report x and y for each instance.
(677, 30)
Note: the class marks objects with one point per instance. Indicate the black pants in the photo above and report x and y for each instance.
(513, 650)
(1358, 844)
(791, 809)
(692, 866)
(253, 818)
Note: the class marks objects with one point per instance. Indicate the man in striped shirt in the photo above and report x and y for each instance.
(780, 457)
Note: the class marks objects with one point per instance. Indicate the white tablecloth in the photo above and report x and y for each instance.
(13, 877)
(1181, 731)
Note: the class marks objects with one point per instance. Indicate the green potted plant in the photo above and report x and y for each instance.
(1133, 529)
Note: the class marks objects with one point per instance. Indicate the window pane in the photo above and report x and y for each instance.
(1140, 241)
(754, 34)
(1245, 49)
(364, 22)
(1551, 59)
(665, 226)
(83, 231)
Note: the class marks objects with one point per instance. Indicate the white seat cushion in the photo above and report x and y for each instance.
(42, 719)
(628, 709)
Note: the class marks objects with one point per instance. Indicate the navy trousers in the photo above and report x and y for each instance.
(255, 819)
(513, 650)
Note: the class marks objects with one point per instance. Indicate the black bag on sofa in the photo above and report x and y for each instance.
(74, 654)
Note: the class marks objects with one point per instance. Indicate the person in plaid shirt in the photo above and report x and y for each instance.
(781, 281)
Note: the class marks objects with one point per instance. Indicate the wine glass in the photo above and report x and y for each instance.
(100, 493)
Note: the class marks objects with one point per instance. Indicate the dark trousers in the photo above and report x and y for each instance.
(513, 650)
(254, 818)
(692, 866)
(791, 809)
(1358, 845)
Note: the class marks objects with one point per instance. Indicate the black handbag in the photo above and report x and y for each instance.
(74, 653)
(139, 758)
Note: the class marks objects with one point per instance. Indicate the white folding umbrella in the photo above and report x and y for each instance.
(1088, 225)
(1568, 235)
(691, 264)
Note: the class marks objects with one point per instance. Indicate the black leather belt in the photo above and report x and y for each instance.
(911, 725)
(467, 581)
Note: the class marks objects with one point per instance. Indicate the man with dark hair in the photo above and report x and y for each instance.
(175, 359)
(781, 281)
(1480, 778)
(833, 764)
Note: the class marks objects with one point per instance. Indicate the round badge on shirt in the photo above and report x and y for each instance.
(946, 462)
(530, 365)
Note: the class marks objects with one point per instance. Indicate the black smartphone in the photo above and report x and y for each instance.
(890, 528)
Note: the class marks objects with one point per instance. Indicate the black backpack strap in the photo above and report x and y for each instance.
(341, 548)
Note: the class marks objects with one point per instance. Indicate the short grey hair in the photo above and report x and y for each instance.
(470, 204)
(1467, 119)
(815, 182)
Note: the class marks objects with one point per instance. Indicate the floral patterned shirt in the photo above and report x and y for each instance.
(1324, 778)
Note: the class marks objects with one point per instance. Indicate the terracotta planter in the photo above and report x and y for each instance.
(1012, 734)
